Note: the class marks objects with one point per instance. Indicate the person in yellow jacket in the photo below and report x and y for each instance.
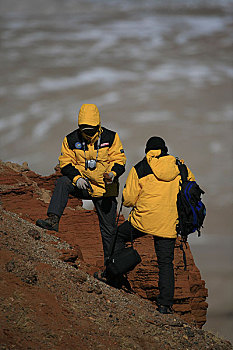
(92, 159)
(151, 189)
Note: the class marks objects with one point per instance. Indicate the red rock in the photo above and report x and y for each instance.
(71, 255)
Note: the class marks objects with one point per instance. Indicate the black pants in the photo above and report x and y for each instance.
(105, 206)
(164, 249)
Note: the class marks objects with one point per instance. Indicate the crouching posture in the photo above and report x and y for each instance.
(92, 159)
(151, 189)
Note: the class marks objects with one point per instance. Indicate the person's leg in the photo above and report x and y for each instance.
(57, 204)
(164, 248)
(60, 196)
(106, 208)
(126, 233)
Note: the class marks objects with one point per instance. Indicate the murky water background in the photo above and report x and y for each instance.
(153, 68)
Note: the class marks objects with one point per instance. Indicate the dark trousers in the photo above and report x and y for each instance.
(105, 206)
(164, 249)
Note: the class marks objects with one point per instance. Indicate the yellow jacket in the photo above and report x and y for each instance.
(151, 189)
(111, 155)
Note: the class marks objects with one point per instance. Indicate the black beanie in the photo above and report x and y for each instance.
(156, 142)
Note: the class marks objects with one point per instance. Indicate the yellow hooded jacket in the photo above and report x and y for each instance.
(151, 189)
(76, 148)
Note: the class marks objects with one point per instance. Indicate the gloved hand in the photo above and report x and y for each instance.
(82, 184)
(109, 177)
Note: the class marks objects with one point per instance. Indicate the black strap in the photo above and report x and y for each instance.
(113, 242)
(184, 256)
(183, 170)
(184, 178)
(114, 238)
(84, 149)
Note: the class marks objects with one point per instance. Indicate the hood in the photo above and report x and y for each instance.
(164, 168)
(89, 114)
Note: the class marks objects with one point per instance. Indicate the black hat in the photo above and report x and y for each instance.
(156, 142)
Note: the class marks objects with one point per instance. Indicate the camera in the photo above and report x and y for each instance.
(90, 164)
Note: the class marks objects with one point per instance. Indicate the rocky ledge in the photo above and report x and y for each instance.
(49, 299)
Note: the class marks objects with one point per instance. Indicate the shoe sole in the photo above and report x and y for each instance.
(165, 312)
(102, 279)
(45, 226)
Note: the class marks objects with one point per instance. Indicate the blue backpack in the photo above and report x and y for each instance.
(191, 210)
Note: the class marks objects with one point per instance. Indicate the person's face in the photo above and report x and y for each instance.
(89, 130)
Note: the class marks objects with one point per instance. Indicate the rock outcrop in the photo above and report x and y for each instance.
(27, 194)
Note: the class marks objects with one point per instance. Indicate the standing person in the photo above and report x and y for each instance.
(92, 160)
(151, 189)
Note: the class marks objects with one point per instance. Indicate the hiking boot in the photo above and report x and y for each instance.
(163, 309)
(51, 223)
(115, 281)
(112, 281)
(101, 276)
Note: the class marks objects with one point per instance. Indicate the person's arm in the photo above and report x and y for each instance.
(117, 157)
(68, 163)
(132, 189)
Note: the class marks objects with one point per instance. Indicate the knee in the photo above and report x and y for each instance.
(108, 204)
(165, 263)
(63, 181)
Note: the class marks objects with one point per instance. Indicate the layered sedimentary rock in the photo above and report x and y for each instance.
(28, 194)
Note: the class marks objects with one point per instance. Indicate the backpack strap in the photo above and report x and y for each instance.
(184, 178)
(183, 170)
(114, 237)
(184, 255)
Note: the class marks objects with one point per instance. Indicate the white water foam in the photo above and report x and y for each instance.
(201, 26)
(13, 121)
(153, 116)
(43, 127)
